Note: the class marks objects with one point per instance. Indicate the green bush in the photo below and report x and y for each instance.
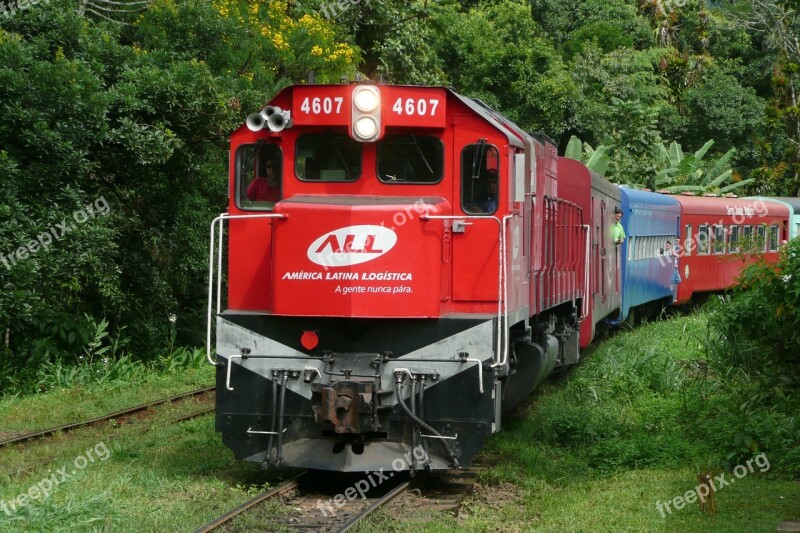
(749, 398)
(763, 311)
(664, 395)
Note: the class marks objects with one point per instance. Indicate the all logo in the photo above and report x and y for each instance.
(351, 245)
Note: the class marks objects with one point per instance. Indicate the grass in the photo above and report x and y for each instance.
(162, 477)
(158, 475)
(633, 425)
(22, 414)
(626, 501)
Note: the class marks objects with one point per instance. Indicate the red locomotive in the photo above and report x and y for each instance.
(404, 266)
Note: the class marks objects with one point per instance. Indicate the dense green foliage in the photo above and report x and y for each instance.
(133, 120)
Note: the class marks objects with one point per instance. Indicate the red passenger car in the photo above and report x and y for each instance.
(720, 236)
(597, 197)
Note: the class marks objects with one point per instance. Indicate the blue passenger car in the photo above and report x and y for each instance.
(651, 222)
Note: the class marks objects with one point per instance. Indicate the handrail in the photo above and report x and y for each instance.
(502, 285)
(586, 269)
(480, 372)
(504, 267)
(220, 219)
(230, 366)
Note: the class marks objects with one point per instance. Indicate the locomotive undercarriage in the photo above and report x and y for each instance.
(426, 401)
(549, 343)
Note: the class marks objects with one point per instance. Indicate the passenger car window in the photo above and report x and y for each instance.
(773, 238)
(719, 239)
(734, 242)
(703, 246)
(688, 241)
(762, 238)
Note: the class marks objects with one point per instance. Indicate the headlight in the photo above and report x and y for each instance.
(366, 127)
(366, 100)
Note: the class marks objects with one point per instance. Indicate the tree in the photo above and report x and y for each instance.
(680, 172)
(595, 159)
(779, 23)
(719, 107)
(133, 119)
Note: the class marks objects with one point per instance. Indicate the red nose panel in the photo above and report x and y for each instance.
(358, 257)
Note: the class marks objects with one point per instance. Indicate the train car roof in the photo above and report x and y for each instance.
(637, 198)
(791, 201)
(513, 133)
(719, 205)
(584, 176)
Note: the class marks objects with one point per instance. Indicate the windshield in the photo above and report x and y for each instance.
(410, 159)
(327, 157)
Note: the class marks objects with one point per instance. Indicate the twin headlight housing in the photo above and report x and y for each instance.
(366, 120)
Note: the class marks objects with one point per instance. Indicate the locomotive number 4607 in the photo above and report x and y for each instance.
(421, 107)
(319, 105)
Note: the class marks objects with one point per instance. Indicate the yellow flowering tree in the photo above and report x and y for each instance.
(281, 46)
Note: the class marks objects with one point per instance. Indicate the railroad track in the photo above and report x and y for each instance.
(308, 501)
(125, 413)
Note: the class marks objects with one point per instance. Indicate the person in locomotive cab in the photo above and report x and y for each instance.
(489, 203)
(619, 231)
(266, 188)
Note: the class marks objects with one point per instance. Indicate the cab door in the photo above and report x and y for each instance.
(475, 260)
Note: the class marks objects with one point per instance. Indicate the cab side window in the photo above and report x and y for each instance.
(259, 173)
(480, 179)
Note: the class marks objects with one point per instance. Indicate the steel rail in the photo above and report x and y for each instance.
(230, 515)
(182, 418)
(391, 495)
(117, 414)
(190, 416)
